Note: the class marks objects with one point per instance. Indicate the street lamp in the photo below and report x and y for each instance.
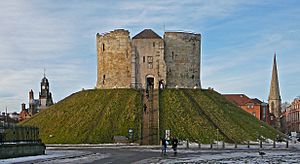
(217, 138)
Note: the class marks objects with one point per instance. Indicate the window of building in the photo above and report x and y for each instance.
(103, 80)
(250, 106)
(150, 59)
(150, 62)
(172, 55)
(103, 47)
(143, 59)
(153, 44)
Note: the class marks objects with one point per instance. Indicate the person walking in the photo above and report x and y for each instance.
(174, 145)
(164, 146)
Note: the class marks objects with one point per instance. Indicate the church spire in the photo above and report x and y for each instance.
(274, 96)
(274, 88)
(44, 72)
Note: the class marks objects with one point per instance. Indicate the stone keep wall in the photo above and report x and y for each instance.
(149, 61)
(182, 56)
(114, 59)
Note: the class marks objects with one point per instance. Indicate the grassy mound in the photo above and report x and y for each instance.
(205, 115)
(91, 116)
(95, 116)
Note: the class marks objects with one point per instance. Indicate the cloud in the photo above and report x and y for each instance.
(60, 36)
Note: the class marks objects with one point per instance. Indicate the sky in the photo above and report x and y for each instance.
(239, 39)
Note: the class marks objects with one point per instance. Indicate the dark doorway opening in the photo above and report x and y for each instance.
(150, 83)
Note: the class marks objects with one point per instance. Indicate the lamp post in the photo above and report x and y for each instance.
(217, 138)
(260, 136)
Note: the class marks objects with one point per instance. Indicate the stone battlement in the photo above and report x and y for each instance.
(117, 32)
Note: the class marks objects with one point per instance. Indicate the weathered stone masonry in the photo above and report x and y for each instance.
(182, 55)
(114, 59)
(172, 61)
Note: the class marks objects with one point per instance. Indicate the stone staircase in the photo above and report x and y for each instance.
(150, 134)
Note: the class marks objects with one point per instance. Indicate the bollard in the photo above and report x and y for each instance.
(274, 144)
(211, 145)
(248, 144)
(235, 145)
(187, 144)
(287, 144)
(223, 145)
(199, 145)
(260, 144)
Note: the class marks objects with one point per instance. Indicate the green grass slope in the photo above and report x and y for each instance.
(95, 116)
(91, 116)
(205, 115)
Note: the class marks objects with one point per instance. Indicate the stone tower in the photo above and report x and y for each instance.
(114, 59)
(32, 105)
(150, 65)
(274, 95)
(182, 55)
(45, 95)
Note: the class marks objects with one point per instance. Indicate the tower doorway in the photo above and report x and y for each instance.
(149, 83)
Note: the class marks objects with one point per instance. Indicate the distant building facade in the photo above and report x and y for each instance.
(148, 59)
(36, 105)
(254, 106)
(274, 100)
(8, 119)
(24, 114)
(292, 117)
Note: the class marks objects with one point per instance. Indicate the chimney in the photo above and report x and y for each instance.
(31, 95)
(23, 107)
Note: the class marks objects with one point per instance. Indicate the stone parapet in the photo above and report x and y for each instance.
(21, 150)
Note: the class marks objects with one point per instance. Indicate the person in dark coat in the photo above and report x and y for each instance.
(174, 145)
(164, 146)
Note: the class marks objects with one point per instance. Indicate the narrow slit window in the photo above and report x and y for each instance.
(172, 55)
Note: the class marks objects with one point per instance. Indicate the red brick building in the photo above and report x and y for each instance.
(254, 106)
(292, 117)
(24, 113)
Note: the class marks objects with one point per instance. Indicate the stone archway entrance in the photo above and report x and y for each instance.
(149, 83)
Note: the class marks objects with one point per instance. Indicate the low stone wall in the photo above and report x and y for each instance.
(21, 149)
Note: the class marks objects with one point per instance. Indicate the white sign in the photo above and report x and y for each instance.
(168, 134)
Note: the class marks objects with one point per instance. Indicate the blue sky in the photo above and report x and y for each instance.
(239, 38)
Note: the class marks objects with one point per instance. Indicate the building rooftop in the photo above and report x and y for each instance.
(241, 99)
(147, 34)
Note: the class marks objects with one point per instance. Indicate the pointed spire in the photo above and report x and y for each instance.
(44, 72)
(274, 88)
